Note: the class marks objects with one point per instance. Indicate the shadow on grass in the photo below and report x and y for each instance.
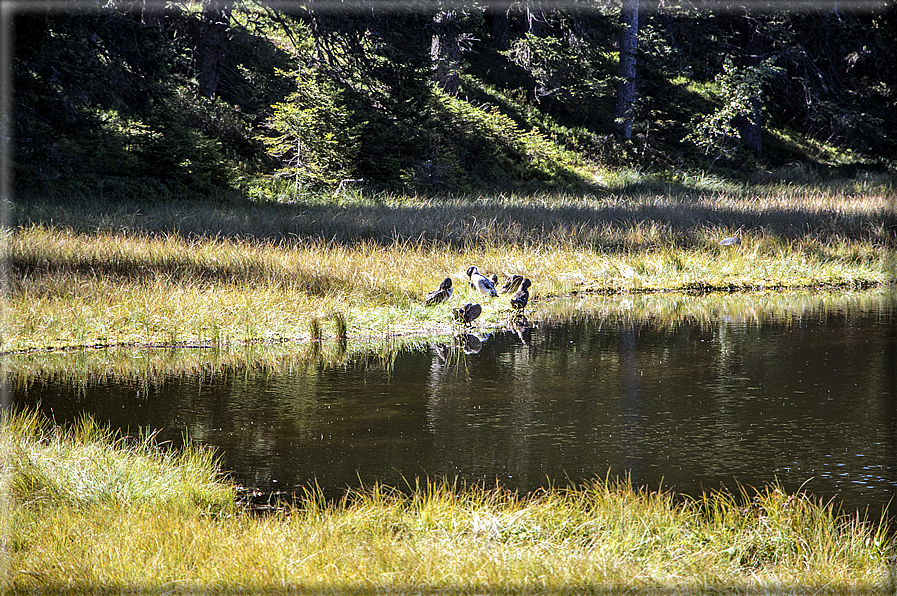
(148, 269)
(678, 215)
(643, 216)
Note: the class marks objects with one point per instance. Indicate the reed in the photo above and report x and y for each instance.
(340, 325)
(78, 534)
(84, 274)
(315, 332)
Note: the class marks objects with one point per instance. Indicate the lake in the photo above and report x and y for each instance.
(679, 392)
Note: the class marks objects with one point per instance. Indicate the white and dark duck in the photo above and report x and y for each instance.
(440, 294)
(467, 314)
(481, 282)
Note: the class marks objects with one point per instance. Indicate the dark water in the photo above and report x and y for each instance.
(808, 399)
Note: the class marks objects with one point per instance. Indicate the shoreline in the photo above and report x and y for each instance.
(440, 330)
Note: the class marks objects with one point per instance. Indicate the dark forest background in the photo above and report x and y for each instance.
(219, 97)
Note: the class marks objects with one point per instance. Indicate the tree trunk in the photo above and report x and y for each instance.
(212, 45)
(626, 87)
(500, 26)
(535, 20)
(750, 127)
(445, 52)
(152, 15)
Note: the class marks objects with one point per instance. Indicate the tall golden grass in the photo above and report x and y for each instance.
(219, 273)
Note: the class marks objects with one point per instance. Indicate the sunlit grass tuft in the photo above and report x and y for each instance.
(89, 465)
(340, 324)
(315, 331)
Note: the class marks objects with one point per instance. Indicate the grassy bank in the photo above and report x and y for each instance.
(143, 368)
(84, 510)
(216, 273)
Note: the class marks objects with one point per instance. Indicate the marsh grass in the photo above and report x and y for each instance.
(87, 511)
(89, 465)
(143, 368)
(340, 325)
(190, 273)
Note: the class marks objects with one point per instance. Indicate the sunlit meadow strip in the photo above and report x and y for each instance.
(270, 292)
(91, 512)
(237, 273)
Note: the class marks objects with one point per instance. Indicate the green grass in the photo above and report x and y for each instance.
(85, 510)
(218, 273)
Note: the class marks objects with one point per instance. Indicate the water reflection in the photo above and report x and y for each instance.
(711, 394)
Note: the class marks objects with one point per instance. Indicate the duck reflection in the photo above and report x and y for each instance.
(522, 328)
(469, 344)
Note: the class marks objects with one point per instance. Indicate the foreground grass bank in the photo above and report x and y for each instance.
(83, 510)
(213, 273)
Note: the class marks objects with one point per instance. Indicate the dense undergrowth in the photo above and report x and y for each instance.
(115, 102)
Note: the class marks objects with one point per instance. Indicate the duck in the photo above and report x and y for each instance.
(440, 294)
(481, 282)
(521, 298)
(512, 284)
(467, 314)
